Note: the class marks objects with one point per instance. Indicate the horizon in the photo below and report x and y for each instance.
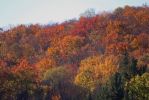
(43, 12)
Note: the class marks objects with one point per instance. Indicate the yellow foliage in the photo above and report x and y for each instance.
(96, 70)
(135, 43)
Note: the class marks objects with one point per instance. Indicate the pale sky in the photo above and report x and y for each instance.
(14, 12)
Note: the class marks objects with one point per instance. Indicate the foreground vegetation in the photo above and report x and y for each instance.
(98, 57)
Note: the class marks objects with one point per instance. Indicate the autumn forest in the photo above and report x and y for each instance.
(96, 57)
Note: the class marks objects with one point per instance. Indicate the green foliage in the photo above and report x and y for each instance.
(16, 86)
(103, 92)
(128, 65)
(56, 76)
(117, 85)
(138, 87)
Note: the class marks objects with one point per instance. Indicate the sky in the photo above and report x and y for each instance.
(15, 12)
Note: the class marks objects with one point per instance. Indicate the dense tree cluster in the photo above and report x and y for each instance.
(97, 57)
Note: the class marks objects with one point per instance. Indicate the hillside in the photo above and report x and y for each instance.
(97, 57)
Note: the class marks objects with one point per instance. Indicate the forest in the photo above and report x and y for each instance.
(96, 57)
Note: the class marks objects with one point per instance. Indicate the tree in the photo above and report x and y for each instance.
(117, 87)
(103, 92)
(115, 26)
(67, 49)
(88, 13)
(25, 78)
(95, 71)
(58, 79)
(138, 87)
(128, 65)
(45, 64)
(142, 63)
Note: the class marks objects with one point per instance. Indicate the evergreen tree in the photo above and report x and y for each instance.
(117, 87)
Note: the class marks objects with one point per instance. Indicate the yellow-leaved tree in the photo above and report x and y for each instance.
(95, 71)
